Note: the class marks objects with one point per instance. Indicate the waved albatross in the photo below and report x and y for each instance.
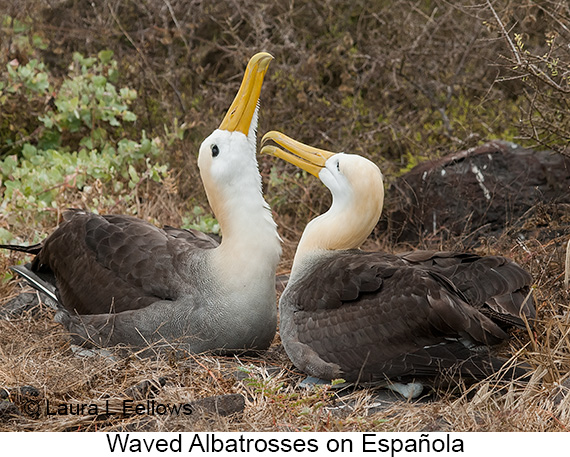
(123, 280)
(373, 316)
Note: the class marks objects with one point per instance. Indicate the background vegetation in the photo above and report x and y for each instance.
(103, 105)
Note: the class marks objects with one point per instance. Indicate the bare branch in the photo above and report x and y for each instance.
(514, 49)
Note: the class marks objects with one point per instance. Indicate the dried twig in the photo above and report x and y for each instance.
(567, 269)
(526, 62)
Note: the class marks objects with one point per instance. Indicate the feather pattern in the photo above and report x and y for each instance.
(497, 286)
(370, 315)
(119, 254)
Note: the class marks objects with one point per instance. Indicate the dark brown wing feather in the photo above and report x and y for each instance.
(496, 285)
(115, 263)
(376, 316)
(194, 237)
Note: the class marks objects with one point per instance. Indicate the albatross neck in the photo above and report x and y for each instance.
(346, 225)
(250, 243)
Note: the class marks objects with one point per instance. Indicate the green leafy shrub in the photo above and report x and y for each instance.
(81, 140)
(88, 99)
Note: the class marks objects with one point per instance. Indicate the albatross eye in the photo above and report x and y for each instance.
(215, 150)
(338, 165)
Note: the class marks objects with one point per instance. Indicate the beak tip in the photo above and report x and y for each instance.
(262, 60)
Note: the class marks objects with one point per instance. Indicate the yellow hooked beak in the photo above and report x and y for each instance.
(239, 116)
(306, 157)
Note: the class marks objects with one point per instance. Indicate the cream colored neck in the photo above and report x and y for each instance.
(346, 225)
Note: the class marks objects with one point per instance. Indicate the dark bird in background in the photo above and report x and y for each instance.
(477, 192)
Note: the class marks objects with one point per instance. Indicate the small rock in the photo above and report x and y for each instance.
(221, 405)
(28, 391)
(17, 393)
(8, 410)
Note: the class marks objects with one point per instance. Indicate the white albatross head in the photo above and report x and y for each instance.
(357, 188)
(227, 158)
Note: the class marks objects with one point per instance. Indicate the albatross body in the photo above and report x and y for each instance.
(373, 316)
(123, 280)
